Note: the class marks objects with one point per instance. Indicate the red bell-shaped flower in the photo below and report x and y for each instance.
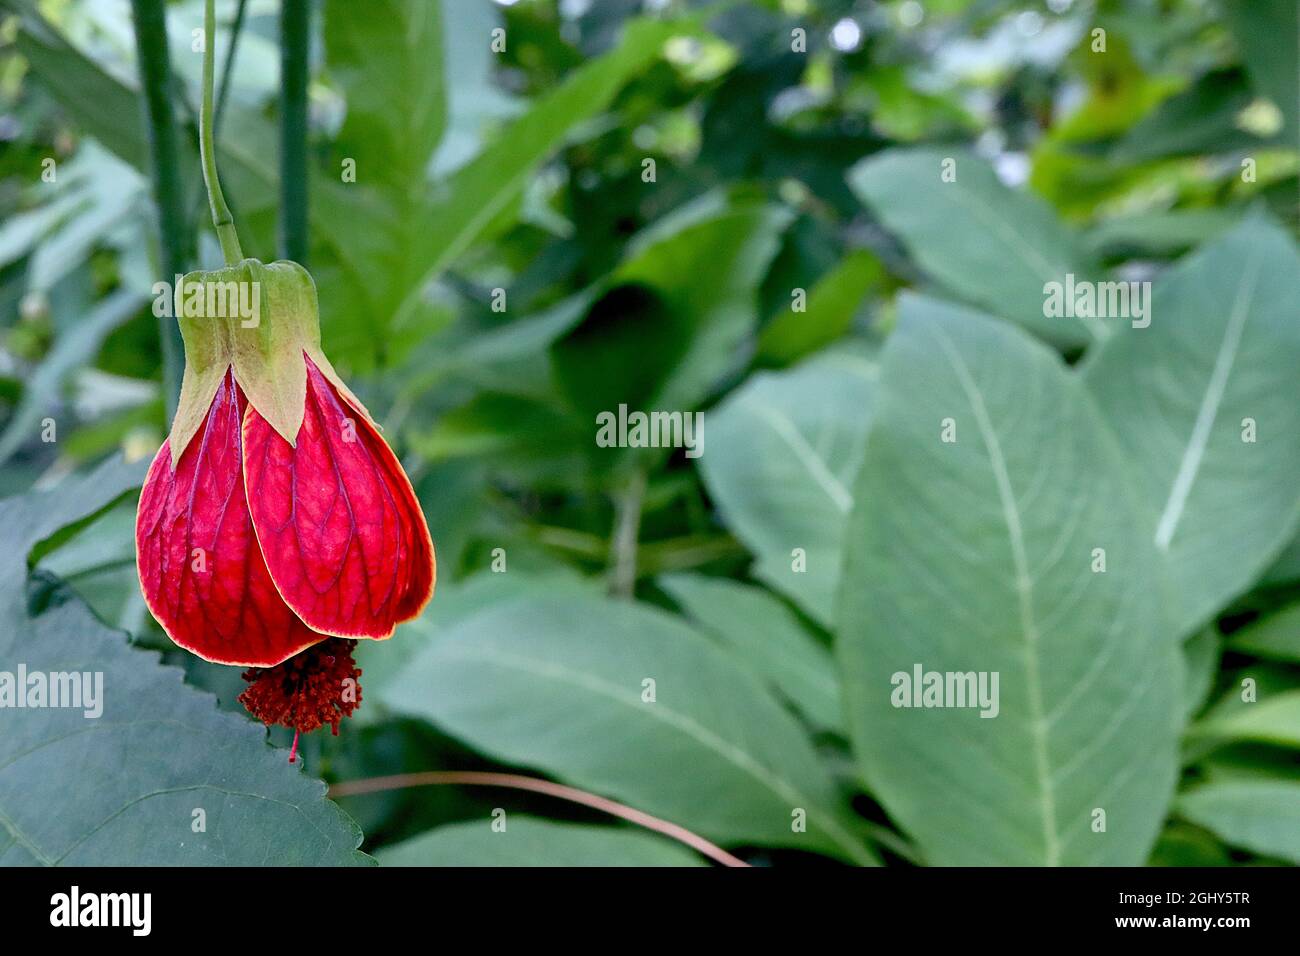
(275, 516)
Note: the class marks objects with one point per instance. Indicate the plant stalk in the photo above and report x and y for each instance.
(168, 183)
(295, 39)
(222, 221)
(623, 543)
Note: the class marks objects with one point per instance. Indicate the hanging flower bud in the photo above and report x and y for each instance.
(275, 516)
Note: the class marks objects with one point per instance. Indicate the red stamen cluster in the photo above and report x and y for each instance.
(315, 687)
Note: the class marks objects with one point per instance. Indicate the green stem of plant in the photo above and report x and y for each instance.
(169, 185)
(198, 198)
(222, 221)
(294, 44)
(627, 529)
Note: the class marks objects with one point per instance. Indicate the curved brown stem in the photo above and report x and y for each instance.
(481, 778)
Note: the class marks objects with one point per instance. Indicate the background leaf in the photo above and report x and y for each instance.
(780, 456)
(530, 841)
(467, 202)
(657, 340)
(767, 636)
(1262, 816)
(72, 352)
(830, 309)
(993, 246)
(574, 669)
(975, 556)
(1275, 636)
(387, 56)
(1273, 719)
(1266, 32)
(1220, 349)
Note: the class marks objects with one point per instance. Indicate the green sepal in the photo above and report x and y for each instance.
(264, 317)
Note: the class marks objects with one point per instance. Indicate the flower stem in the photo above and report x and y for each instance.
(222, 221)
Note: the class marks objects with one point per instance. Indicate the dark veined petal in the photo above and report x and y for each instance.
(339, 525)
(200, 566)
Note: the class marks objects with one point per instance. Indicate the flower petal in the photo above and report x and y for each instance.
(342, 532)
(201, 569)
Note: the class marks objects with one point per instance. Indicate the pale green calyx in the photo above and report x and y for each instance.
(260, 319)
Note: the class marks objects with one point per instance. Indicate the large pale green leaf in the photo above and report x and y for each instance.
(558, 684)
(779, 458)
(124, 788)
(1201, 654)
(1259, 815)
(993, 246)
(767, 636)
(529, 841)
(977, 555)
(1223, 347)
(383, 662)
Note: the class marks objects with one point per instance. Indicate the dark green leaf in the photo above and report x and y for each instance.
(832, 303)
